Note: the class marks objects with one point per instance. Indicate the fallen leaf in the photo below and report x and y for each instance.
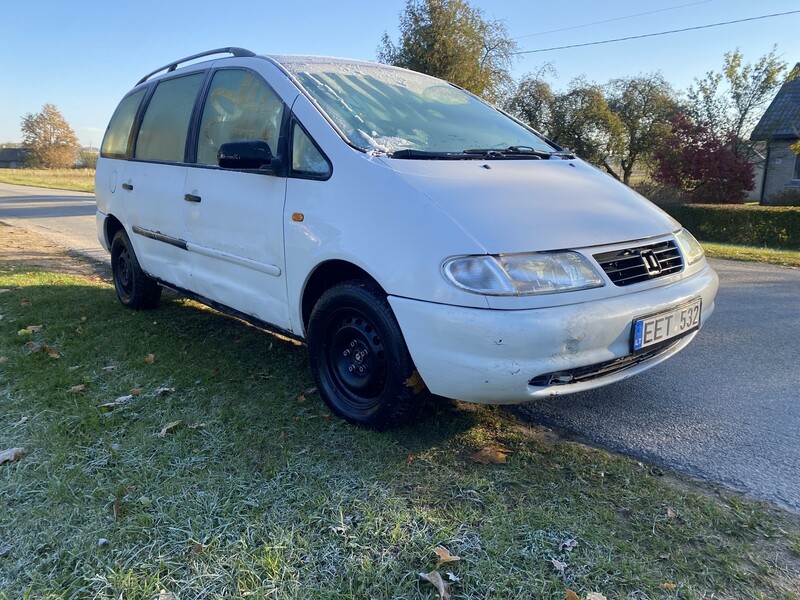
(570, 595)
(568, 545)
(4, 291)
(409, 459)
(309, 391)
(491, 454)
(52, 351)
(595, 596)
(81, 387)
(25, 303)
(197, 426)
(11, 455)
(559, 565)
(440, 584)
(3, 360)
(150, 359)
(415, 382)
(110, 368)
(83, 319)
(301, 398)
(165, 595)
(668, 586)
(197, 548)
(135, 391)
(32, 347)
(164, 390)
(671, 513)
(35, 328)
(79, 330)
(444, 556)
(24, 331)
(452, 577)
(20, 423)
(109, 406)
(169, 428)
(74, 367)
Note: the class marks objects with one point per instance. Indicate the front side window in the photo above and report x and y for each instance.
(307, 160)
(115, 142)
(386, 109)
(162, 135)
(239, 107)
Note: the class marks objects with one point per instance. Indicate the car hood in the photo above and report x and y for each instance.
(525, 205)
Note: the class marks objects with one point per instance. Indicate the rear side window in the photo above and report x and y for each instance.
(115, 142)
(240, 107)
(162, 135)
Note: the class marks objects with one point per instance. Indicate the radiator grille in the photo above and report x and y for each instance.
(633, 265)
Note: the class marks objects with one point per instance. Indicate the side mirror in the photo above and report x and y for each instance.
(255, 154)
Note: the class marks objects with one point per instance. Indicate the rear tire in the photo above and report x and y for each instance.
(359, 360)
(135, 289)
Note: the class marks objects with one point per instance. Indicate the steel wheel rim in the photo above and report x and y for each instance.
(356, 358)
(123, 278)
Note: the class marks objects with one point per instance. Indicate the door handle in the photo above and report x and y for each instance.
(127, 186)
(191, 198)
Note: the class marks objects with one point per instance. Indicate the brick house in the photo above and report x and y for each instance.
(779, 128)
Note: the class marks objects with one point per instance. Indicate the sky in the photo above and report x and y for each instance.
(84, 56)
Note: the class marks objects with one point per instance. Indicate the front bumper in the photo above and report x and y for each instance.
(493, 356)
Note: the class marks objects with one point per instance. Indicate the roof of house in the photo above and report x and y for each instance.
(781, 121)
(13, 154)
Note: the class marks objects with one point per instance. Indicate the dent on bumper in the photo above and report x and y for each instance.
(490, 356)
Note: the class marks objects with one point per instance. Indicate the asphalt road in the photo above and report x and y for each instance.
(727, 409)
(66, 218)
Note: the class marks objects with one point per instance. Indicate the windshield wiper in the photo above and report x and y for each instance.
(518, 151)
(425, 155)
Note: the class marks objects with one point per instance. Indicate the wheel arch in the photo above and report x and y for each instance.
(324, 276)
(111, 227)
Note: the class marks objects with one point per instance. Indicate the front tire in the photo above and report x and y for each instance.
(358, 357)
(135, 289)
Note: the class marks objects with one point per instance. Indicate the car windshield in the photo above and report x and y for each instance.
(385, 109)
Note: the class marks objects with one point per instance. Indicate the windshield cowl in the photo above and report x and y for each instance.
(509, 153)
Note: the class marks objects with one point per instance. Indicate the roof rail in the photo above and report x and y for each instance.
(174, 65)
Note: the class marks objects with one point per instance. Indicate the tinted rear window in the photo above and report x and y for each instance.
(115, 142)
(162, 135)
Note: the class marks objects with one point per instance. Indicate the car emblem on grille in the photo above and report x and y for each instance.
(650, 261)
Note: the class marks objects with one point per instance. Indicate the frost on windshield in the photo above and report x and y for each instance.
(385, 109)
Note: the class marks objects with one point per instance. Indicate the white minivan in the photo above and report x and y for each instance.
(417, 239)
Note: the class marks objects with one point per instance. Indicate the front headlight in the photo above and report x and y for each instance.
(522, 274)
(691, 248)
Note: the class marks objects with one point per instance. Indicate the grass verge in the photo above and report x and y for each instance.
(255, 490)
(786, 258)
(78, 180)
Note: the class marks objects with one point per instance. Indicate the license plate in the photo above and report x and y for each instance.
(663, 326)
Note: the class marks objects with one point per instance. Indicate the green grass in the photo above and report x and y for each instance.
(78, 180)
(787, 258)
(262, 493)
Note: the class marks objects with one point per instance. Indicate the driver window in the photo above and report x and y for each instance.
(239, 107)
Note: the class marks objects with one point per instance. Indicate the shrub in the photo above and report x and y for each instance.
(763, 226)
(661, 193)
(786, 198)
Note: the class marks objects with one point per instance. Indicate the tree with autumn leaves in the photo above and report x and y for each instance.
(52, 142)
(697, 144)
